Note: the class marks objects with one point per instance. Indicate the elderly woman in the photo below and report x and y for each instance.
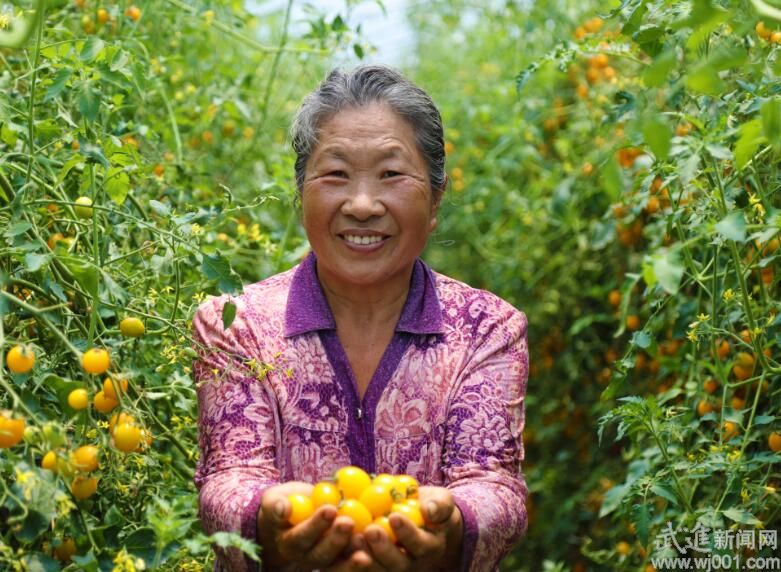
(363, 355)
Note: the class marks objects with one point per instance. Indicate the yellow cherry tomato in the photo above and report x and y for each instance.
(384, 479)
(133, 12)
(20, 358)
(119, 419)
(84, 208)
(325, 493)
(84, 487)
(102, 403)
(86, 458)
(11, 431)
(301, 508)
(65, 550)
(132, 327)
(95, 361)
(358, 513)
(407, 486)
(49, 462)
(378, 499)
(108, 387)
(384, 523)
(78, 399)
(127, 437)
(351, 481)
(411, 512)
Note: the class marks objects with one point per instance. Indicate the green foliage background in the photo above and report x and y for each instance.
(656, 179)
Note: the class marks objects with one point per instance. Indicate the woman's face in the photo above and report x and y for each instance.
(366, 178)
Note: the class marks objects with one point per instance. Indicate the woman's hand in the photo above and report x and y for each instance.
(437, 547)
(315, 543)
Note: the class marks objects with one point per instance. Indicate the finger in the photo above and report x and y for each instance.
(333, 543)
(437, 505)
(299, 539)
(359, 561)
(418, 542)
(275, 506)
(384, 551)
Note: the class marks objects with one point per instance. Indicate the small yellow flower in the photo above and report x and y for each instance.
(5, 21)
(198, 297)
(728, 295)
(208, 17)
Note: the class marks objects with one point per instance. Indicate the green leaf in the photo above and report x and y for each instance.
(704, 19)
(34, 525)
(85, 273)
(733, 227)
(641, 517)
(117, 184)
(641, 339)
(658, 72)
(228, 314)
(92, 47)
(611, 179)
(613, 499)
(37, 562)
(160, 208)
(705, 79)
(33, 262)
(771, 121)
(8, 135)
(217, 267)
(88, 562)
(657, 134)
(668, 270)
(69, 164)
(88, 102)
(635, 19)
(58, 84)
(18, 228)
(94, 154)
(742, 516)
(750, 139)
(664, 492)
(358, 51)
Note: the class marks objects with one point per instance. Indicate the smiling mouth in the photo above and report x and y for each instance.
(362, 240)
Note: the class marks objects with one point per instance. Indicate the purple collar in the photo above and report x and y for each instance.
(308, 310)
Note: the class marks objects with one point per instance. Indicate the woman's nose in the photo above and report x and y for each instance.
(363, 200)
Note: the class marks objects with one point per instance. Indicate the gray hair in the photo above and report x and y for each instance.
(364, 85)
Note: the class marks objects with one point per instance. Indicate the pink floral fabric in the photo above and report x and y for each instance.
(278, 402)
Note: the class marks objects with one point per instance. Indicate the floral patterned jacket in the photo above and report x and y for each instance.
(278, 402)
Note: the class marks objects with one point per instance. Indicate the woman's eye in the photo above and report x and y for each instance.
(337, 174)
(391, 174)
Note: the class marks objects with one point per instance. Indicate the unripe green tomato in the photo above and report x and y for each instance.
(53, 436)
(84, 208)
(32, 435)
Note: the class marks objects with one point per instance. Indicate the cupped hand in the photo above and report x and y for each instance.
(317, 542)
(435, 547)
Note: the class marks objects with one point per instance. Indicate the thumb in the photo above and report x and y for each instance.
(438, 512)
(276, 509)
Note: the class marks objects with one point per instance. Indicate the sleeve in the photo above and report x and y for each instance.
(483, 444)
(237, 423)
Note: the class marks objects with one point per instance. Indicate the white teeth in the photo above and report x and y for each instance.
(362, 239)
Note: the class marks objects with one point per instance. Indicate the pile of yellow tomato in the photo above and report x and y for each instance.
(363, 499)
